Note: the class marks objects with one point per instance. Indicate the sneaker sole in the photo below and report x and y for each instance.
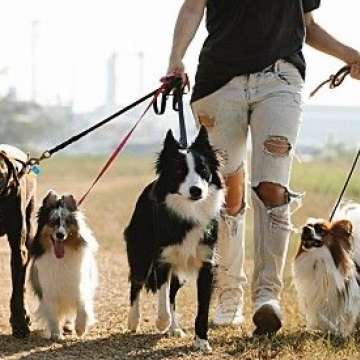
(266, 321)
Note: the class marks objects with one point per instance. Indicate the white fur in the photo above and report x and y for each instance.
(68, 285)
(320, 286)
(164, 313)
(187, 257)
(202, 345)
(134, 315)
(201, 211)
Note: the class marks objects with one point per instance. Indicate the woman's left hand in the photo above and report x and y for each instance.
(352, 58)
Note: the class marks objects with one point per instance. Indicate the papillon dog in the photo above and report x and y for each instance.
(326, 272)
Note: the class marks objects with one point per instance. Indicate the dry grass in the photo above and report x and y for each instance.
(108, 210)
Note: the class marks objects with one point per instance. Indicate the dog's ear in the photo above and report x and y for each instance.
(202, 145)
(170, 143)
(69, 201)
(342, 230)
(202, 140)
(50, 199)
(342, 227)
(171, 147)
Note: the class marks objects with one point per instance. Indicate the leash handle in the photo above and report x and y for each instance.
(175, 86)
(345, 185)
(334, 80)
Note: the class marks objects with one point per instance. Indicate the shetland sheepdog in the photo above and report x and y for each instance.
(173, 232)
(62, 271)
(326, 272)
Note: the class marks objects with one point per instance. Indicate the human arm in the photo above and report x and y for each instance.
(188, 21)
(320, 39)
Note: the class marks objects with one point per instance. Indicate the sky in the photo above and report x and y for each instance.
(74, 38)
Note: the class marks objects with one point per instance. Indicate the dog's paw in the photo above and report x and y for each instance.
(55, 336)
(133, 323)
(202, 345)
(163, 323)
(20, 326)
(67, 329)
(80, 329)
(176, 332)
(20, 332)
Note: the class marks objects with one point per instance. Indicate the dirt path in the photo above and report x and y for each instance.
(108, 339)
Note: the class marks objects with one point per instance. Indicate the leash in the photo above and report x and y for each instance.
(48, 153)
(177, 90)
(169, 84)
(334, 80)
(116, 152)
(345, 185)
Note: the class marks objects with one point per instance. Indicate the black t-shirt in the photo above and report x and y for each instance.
(246, 36)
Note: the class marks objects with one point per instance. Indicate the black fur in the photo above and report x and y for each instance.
(154, 225)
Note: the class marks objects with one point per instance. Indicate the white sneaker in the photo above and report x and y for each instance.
(229, 308)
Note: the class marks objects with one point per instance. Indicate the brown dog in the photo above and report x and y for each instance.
(17, 209)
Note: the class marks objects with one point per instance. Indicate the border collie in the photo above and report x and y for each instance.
(62, 271)
(173, 231)
(326, 272)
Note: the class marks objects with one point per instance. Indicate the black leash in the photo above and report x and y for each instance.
(177, 90)
(334, 80)
(47, 154)
(171, 86)
(345, 185)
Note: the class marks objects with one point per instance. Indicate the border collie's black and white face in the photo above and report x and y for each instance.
(189, 172)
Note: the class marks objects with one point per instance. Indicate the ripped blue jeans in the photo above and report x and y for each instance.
(267, 105)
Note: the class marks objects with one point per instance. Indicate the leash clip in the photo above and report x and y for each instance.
(36, 161)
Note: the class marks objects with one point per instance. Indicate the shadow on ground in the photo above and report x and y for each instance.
(144, 346)
(116, 346)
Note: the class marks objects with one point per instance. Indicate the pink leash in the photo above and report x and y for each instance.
(122, 143)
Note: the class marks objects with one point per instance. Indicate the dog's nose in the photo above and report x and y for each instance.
(60, 235)
(195, 192)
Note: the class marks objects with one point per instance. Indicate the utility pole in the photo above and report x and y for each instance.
(141, 56)
(111, 80)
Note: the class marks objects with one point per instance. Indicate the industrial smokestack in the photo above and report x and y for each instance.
(111, 80)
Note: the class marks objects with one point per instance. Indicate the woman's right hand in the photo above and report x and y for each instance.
(176, 68)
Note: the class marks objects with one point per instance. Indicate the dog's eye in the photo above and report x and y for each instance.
(203, 171)
(54, 221)
(179, 171)
(319, 229)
